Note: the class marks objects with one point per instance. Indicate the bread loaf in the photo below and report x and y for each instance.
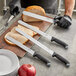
(34, 9)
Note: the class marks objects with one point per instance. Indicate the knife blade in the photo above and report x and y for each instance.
(11, 17)
(38, 16)
(33, 53)
(50, 38)
(53, 54)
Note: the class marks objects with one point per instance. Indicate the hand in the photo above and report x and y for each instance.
(63, 21)
(14, 10)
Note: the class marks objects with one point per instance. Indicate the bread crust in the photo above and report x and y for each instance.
(14, 35)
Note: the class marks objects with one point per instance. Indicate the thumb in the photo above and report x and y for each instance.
(58, 17)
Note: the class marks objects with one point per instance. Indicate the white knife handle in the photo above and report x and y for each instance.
(42, 59)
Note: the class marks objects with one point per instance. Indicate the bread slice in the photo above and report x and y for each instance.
(18, 36)
(13, 29)
(28, 31)
(24, 29)
(34, 9)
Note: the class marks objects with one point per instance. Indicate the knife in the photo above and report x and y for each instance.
(11, 17)
(50, 38)
(13, 11)
(53, 54)
(39, 17)
(34, 54)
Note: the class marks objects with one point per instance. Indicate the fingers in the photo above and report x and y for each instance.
(63, 23)
(58, 17)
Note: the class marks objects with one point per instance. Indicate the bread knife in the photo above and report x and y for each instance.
(39, 17)
(33, 53)
(50, 38)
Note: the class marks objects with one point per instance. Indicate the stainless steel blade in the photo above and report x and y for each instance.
(34, 29)
(11, 17)
(20, 45)
(38, 16)
(35, 41)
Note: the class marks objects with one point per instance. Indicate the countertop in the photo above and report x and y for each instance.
(56, 68)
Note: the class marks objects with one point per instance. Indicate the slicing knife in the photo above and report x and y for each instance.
(39, 17)
(33, 53)
(49, 37)
(53, 54)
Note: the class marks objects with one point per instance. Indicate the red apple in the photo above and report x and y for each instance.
(27, 70)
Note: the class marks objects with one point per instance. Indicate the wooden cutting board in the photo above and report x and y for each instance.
(18, 51)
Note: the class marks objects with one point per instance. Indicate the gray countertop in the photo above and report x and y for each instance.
(57, 68)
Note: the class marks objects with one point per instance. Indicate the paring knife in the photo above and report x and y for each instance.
(34, 54)
(50, 38)
(53, 54)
